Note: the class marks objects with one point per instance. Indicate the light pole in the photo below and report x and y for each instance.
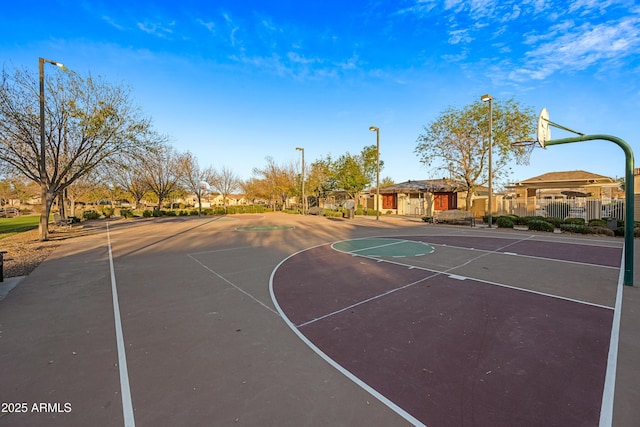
(377, 130)
(304, 199)
(489, 98)
(43, 162)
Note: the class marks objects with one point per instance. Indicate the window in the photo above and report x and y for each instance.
(389, 201)
(444, 201)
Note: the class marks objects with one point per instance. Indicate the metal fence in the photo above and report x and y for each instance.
(578, 207)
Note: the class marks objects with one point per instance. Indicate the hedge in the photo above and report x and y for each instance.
(538, 225)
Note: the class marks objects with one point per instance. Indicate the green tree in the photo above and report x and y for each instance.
(457, 142)
(386, 182)
(354, 173)
(87, 122)
(320, 181)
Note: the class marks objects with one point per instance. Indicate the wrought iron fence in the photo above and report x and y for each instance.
(578, 207)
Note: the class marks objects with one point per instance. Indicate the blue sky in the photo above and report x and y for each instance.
(236, 81)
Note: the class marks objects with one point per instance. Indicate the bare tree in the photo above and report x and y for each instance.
(280, 180)
(86, 120)
(225, 182)
(128, 174)
(80, 189)
(162, 171)
(195, 179)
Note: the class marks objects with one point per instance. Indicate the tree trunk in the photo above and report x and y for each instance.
(46, 202)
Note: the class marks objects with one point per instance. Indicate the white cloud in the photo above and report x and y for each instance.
(111, 22)
(157, 29)
(209, 25)
(459, 36)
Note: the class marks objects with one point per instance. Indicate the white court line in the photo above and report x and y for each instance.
(606, 411)
(234, 285)
(564, 261)
(125, 391)
(374, 392)
(373, 298)
(366, 387)
(371, 247)
(222, 250)
(482, 255)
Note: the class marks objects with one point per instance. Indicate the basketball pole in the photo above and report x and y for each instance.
(628, 188)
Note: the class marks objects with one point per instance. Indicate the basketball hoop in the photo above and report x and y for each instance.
(523, 151)
(525, 148)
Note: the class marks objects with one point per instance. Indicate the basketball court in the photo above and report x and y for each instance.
(287, 320)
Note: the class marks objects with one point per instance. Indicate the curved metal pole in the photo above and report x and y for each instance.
(628, 187)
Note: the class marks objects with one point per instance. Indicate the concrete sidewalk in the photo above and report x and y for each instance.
(8, 284)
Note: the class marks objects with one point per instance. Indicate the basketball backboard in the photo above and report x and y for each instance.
(544, 130)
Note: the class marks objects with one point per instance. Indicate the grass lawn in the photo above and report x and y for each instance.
(18, 224)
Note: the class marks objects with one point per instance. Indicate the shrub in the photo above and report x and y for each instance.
(597, 222)
(574, 228)
(146, 214)
(88, 215)
(108, 212)
(427, 218)
(577, 221)
(331, 213)
(525, 219)
(556, 222)
(504, 222)
(601, 230)
(126, 213)
(538, 225)
(619, 232)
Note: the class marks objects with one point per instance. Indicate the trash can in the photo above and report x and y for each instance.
(612, 223)
(350, 213)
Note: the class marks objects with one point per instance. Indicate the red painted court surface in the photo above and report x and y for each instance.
(483, 331)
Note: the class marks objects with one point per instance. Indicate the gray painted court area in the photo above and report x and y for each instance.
(204, 342)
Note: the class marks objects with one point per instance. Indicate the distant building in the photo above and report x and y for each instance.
(589, 195)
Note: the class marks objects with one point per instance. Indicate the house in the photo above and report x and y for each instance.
(420, 197)
(587, 194)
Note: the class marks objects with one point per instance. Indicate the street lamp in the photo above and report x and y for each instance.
(43, 163)
(304, 199)
(377, 131)
(489, 98)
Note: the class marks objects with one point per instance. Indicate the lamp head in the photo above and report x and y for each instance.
(373, 128)
(299, 149)
(486, 98)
